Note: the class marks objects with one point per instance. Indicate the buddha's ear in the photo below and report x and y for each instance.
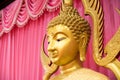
(82, 46)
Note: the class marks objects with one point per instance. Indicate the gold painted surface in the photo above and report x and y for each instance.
(68, 36)
(112, 49)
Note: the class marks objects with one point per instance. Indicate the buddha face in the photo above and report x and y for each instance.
(62, 47)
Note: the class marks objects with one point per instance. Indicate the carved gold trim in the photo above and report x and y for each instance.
(94, 9)
(112, 49)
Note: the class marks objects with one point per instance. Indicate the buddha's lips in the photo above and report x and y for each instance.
(53, 54)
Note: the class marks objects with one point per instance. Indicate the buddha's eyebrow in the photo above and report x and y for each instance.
(55, 34)
(60, 33)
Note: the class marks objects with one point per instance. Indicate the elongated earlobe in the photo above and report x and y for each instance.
(82, 54)
(82, 47)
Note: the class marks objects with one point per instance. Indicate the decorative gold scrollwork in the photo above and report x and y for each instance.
(112, 49)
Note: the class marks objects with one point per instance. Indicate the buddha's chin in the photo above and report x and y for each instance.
(55, 60)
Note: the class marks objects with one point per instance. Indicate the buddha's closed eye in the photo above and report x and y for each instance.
(60, 39)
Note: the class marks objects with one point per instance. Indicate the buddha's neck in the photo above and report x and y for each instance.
(70, 67)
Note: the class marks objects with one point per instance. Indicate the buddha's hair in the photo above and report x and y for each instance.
(71, 18)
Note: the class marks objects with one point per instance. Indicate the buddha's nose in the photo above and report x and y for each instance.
(51, 46)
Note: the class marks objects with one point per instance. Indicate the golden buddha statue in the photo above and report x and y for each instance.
(68, 36)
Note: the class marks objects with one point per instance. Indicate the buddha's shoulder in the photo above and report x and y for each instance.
(82, 74)
(88, 74)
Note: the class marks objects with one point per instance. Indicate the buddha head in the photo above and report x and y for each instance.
(68, 36)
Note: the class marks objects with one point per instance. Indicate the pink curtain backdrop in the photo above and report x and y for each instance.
(22, 28)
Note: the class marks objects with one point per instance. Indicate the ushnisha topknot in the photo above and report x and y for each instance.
(70, 17)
